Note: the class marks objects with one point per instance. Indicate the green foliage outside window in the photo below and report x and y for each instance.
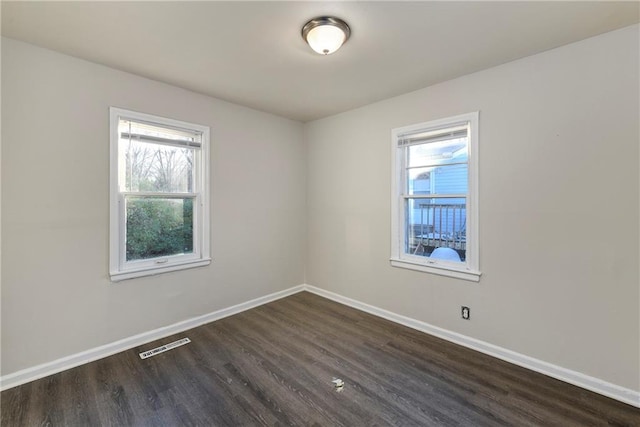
(158, 227)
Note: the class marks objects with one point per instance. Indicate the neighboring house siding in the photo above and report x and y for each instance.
(450, 180)
(446, 180)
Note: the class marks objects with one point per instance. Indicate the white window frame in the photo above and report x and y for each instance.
(469, 269)
(119, 267)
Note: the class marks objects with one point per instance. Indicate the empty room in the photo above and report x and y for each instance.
(320, 213)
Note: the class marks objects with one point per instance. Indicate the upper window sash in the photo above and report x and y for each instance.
(144, 148)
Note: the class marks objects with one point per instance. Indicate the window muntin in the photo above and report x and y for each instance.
(159, 212)
(434, 201)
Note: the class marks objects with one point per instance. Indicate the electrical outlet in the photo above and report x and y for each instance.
(466, 313)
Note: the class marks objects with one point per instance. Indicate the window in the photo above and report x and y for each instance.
(159, 195)
(434, 197)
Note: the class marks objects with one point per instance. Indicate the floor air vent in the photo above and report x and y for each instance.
(164, 348)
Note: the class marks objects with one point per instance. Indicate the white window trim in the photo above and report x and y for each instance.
(201, 255)
(469, 270)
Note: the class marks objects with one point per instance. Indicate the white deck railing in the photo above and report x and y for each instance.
(437, 225)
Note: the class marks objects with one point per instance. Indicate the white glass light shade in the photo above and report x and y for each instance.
(325, 34)
(325, 39)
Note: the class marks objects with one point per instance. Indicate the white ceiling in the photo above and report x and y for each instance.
(251, 53)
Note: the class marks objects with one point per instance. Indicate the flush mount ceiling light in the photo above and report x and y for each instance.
(325, 34)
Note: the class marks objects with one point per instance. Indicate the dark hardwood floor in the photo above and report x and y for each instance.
(274, 365)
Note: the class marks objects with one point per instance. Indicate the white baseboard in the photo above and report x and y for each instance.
(59, 365)
(596, 385)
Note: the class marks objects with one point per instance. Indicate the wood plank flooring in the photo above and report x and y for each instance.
(274, 365)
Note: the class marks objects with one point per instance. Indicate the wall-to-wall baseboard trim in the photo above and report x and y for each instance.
(605, 388)
(596, 385)
(62, 364)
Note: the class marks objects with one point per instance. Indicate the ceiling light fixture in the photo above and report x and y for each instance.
(326, 34)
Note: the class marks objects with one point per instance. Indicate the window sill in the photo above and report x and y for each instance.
(464, 274)
(152, 271)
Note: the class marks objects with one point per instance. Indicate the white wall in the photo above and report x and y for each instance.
(559, 140)
(57, 299)
(559, 204)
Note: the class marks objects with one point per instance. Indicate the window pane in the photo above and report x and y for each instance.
(437, 153)
(158, 227)
(433, 223)
(156, 167)
(450, 179)
(419, 180)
